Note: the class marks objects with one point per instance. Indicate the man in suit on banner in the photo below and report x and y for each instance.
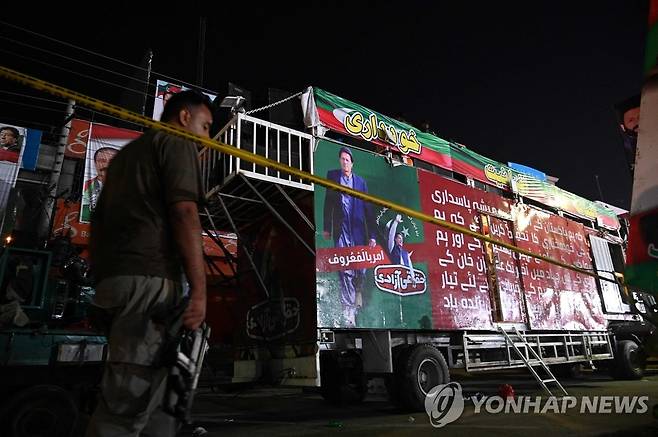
(351, 223)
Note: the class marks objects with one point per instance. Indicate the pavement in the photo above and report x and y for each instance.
(279, 411)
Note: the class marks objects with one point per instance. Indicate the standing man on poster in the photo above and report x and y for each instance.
(351, 223)
(145, 232)
(93, 187)
(398, 253)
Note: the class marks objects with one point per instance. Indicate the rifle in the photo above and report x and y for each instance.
(184, 353)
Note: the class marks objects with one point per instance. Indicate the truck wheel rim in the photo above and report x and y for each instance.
(634, 359)
(428, 375)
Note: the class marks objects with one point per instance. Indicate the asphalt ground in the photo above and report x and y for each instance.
(279, 411)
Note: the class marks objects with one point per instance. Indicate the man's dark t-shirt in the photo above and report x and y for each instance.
(130, 229)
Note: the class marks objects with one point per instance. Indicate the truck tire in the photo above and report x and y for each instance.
(630, 360)
(422, 367)
(342, 378)
(43, 410)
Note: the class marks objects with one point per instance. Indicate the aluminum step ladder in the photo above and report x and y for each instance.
(532, 364)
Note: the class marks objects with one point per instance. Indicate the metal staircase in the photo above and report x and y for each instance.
(248, 191)
(490, 351)
(532, 363)
(239, 194)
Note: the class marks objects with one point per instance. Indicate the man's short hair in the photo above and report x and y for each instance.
(13, 130)
(104, 149)
(183, 100)
(346, 150)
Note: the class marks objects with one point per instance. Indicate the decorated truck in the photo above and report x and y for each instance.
(335, 290)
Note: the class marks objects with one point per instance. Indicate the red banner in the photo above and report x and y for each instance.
(66, 223)
(510, 295)
(458, 270)
(557, 298)
(76, 145)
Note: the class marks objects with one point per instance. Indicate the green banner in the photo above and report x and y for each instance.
(351, 119)
(360, 281)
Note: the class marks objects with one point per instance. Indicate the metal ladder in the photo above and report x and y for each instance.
(531, 364)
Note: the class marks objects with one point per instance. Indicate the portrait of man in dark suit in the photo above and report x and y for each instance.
(350, 222)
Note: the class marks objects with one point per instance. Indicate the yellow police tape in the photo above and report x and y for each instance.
(124, 114)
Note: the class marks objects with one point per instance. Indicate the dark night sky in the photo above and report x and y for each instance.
(529, 83)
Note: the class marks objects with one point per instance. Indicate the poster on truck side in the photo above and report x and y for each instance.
(368, 269)
(351, 119)
(325, 111)
(376, 268)
(460, 272)
(557, 298)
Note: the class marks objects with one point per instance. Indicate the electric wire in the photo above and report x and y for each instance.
(28, 105)
(68, 58)
(72, 72)
(11, 93)
(91, 52)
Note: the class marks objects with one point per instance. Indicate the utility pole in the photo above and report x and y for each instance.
(53, 184)
(201, 51)
(598, 186)
(149, 56)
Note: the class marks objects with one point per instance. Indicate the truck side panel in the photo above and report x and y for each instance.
(457, 282)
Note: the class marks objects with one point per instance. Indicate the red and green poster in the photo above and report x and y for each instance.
(368, 269)
(103, 143)
(327, 111)
(349, 118)
(376, 268)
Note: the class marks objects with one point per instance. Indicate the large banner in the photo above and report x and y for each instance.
(163, 92)
(557, 298)
(103, 143)
(352, 119)
(458, 276)
(14, 140)
(376, 268)
(368, 269)
(330, 112)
